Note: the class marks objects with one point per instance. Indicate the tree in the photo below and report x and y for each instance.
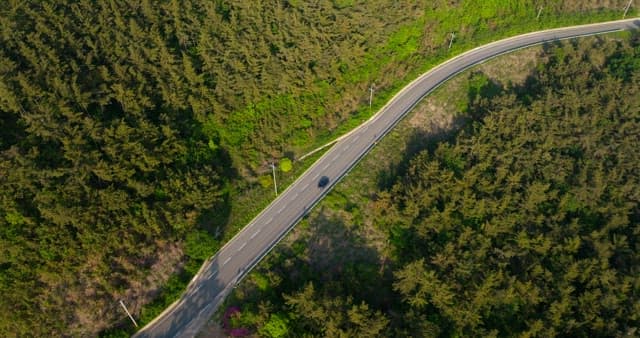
(276, 327)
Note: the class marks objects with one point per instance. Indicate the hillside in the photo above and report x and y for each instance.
(130, 128)
(123, 122)
(524, 222)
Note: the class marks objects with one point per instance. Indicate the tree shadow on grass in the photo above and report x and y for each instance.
(332, 256)
(216, 220)
(419, 140)
(341, 262)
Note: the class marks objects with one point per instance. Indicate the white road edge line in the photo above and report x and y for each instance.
(205, 309)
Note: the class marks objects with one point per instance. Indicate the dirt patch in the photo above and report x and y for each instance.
(513, 67)
(169, 263)
(582, 5)
(432, 116)
(94, 313)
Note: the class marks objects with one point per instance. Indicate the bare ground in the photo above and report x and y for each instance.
(141, 290)
(513, 67)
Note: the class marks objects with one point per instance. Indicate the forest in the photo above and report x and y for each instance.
(124, 124)
(129, 130)
(525, 222)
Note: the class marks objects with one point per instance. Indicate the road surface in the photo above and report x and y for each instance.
(222, 272)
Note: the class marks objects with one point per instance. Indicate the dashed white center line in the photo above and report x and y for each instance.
(206, 308)
(305, 187)
(226, 261)
(284, 206)
(254, 234)
(269, 221)
(314, 177)
(242, 246)
(355, 138)
(213, 273)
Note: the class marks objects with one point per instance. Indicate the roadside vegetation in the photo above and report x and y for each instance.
(137, 136)
(512, 209)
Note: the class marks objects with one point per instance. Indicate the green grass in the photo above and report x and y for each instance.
(408, 48)
(407, 39)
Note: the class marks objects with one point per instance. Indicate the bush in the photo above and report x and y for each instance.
(286, 165)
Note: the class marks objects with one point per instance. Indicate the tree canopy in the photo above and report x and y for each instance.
(528, 223)
(124, 121)
(102, 158)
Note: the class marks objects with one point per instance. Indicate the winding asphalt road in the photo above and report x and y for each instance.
(221, 273)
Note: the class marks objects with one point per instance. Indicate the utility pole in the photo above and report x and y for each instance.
(128, 314)
(539, 12)
(453, 35)
(275, 185)
(370, 95)
(626, 9)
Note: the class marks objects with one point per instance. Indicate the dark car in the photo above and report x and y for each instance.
(324, 180)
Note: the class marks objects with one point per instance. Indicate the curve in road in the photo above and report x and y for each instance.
(222, 272)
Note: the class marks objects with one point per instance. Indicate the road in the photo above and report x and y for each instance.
(222, 272)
